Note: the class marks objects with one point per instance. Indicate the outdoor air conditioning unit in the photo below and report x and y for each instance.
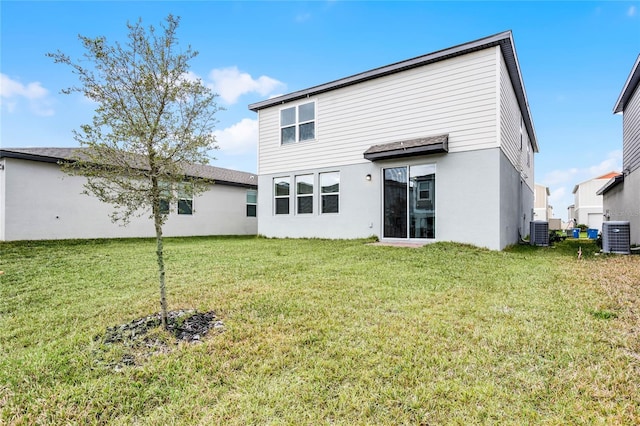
(539, 233)
(616, 237)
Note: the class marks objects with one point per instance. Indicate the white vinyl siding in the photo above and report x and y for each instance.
(631, 133)
(456, 96)
(514, 138)
(510, 119)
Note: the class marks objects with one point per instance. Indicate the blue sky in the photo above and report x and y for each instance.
(574, 56)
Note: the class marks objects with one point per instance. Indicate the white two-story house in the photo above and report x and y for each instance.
(587, 207)
(541, 208)
(435, 148)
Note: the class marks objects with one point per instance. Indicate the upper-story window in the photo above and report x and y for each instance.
(298, 123)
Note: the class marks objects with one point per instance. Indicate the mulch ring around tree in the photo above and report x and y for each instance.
(131, 344)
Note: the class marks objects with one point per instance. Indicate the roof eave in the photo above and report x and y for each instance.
(57, 159)
(503, 39)
(629, 87)
(30, 157)
(613, 182)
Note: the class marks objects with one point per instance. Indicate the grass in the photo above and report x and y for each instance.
(324, 332)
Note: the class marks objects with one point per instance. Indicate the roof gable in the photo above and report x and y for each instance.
(504, 40)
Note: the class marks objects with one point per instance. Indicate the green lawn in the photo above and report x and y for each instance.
(324, 332)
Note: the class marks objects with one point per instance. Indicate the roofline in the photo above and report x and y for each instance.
(629, 87)
(32, 157)
(7, 153)
(575, 188)
(614, 181)
(503, 39)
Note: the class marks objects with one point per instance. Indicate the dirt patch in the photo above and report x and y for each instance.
(132, 343)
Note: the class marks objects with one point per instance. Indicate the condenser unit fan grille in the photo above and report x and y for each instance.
(616, 237)
(539, 233)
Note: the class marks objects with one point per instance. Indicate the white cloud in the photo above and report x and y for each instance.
(230, 84)
(561, 182)
(12, 92)
(302, 17)
(240, 138)
(631, 12)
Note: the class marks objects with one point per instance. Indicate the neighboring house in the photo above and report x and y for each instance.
(571, 214)
(541, 207)
(38, 201)
(435, 148)
(622, 193)
(587, 207)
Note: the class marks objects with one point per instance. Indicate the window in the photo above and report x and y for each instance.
(298, 123)
(520, 133)
(330, 192)
(424, 190)
(281, 194)
(185, 200)
(165, 196)
(164, 206)
(252, 203)
(304, 194)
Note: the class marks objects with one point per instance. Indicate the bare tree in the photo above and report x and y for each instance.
(152, 119)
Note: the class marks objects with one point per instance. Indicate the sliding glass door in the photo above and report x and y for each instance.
(409, 202)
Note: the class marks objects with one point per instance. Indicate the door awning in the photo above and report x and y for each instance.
(408, 148)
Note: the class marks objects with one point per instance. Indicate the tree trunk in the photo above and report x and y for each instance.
(163, 291)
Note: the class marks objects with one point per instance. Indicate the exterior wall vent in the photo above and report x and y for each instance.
(539, 233)
(616, 237)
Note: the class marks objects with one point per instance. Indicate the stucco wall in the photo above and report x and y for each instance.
(622, 202)
(2, 197)
(40, 202)
(516, 204)
(468, 201)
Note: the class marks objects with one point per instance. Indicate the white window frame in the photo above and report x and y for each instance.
(299, 195)
(165, 198)
(297, 122)
(182, 196)
(277, 197)
(323, 194)
(424, 185)
(255, 193)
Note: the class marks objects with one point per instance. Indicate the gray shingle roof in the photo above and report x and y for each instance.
(205, 171)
